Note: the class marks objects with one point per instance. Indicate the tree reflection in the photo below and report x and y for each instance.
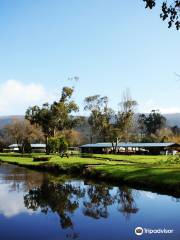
(21, 179)
(126, 201)
(60, 198)
(50, 193)
(65, 198)
(99, 198)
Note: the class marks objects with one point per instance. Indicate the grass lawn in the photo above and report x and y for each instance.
(161, 172)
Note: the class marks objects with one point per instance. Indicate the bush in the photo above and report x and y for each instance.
(173, 160)
(57, 145)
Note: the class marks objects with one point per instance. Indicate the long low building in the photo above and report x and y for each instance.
(35, 147)
(132, 148)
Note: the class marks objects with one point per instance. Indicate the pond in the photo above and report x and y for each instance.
(36, 205)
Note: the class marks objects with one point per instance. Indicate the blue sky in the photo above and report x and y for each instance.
(110, 45)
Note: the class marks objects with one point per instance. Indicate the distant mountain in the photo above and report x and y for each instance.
(4, 120)
(172, 120)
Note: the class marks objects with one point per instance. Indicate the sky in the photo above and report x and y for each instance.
(111, 45)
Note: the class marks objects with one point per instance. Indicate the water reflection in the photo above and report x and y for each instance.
(15, 180)
(44, 193)
(19, 179)
(9, 206)
(55, 197)
(65, 198)
(70, 205)
(127, 202)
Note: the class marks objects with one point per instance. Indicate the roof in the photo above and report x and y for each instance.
(141, 145)
(34, 145)
(38, 145)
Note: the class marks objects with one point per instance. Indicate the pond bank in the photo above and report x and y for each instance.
(150, 175)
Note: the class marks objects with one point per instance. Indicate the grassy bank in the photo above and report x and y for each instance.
(159, 173)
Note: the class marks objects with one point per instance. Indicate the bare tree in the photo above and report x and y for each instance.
(125, 117)
(23, 133)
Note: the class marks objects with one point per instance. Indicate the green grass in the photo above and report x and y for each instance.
(148, 159)
(161, 172)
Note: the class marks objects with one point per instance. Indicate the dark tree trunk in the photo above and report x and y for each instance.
(46, 142)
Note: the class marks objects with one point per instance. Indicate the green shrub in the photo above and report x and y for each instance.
(173, 160)
(57, 145)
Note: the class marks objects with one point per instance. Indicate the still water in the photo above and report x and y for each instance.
(35, 205)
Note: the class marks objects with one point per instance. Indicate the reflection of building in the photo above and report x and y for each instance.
(36, 147)
(132, 148)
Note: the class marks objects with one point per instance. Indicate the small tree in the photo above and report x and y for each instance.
(57, 145)
(52, 145)
(62, 145)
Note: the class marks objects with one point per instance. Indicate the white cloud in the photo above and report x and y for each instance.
(149, 195)
(169, 109)
(11, 204)
(16, 97)
(151, 105)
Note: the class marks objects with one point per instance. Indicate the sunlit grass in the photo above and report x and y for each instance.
(146, 170)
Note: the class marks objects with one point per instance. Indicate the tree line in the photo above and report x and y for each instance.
(58, 124)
